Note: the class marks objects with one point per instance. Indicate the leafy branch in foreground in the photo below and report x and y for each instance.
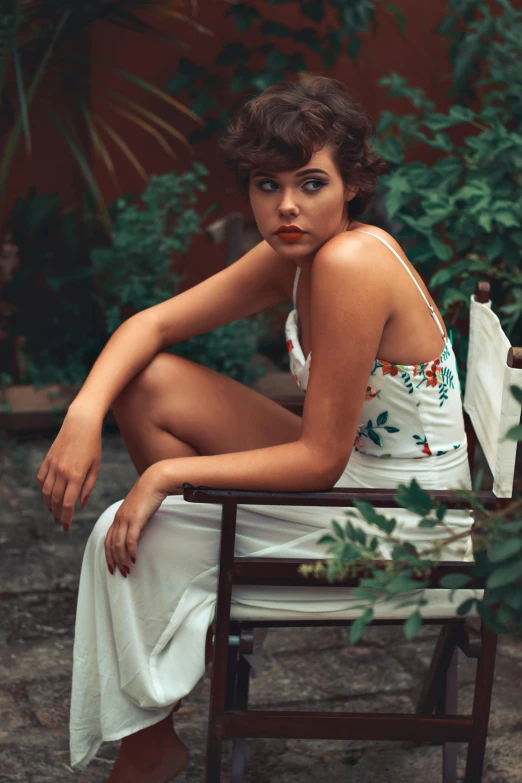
(398, 569)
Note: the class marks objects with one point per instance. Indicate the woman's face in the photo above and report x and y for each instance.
(312, 199)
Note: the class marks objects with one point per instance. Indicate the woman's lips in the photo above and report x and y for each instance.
(290, 236)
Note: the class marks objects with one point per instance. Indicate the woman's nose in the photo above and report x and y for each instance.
(288, 204)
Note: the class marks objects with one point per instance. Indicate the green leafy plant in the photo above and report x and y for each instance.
(136, 270)
(497, 554)
(257, 58)
(39, 40)
(460, 216)
(77, 282)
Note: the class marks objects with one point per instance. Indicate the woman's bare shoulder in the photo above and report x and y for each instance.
(355, 248)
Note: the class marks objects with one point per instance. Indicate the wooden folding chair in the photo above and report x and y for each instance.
(435, 718)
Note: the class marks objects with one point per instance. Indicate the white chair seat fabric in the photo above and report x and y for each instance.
(439, 607)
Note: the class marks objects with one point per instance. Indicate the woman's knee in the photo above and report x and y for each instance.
(147, 383)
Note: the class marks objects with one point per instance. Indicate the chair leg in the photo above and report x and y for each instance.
(239, 745)
(435, 680)
(481, 706)
(451, 706)
(220, 660)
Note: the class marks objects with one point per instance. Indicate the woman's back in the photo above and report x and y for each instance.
(410, 411)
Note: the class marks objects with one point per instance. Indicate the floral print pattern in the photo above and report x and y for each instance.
(408, 411)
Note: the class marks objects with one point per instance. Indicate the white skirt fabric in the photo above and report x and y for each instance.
(140, 642)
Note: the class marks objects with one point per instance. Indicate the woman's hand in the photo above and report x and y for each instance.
(144, 499)
(71, 466)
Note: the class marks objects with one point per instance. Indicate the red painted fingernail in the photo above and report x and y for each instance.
(111, 569)
(127, 569)
(133, 559)
(123, 573)
(84, 501)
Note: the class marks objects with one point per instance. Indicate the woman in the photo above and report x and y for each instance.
(147, 592)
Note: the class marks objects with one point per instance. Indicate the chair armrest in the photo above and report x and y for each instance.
(341, 497)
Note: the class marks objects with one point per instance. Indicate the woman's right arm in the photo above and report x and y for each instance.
(256, 281)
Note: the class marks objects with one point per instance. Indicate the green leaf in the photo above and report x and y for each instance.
(353, 47)
(515, 433)
(327, 539)
(466, 606)
(373, 517)
(339, 532)
(502, 550)
(391, 149)
(441, 276)
(454, 581)
(516, 391)
(514, 598)
(505, 218)
(505, 575)
(399, 16)
(412, 625)
(440, 512)
(276, 60)
(428, 523)
(382, 418)
(512, 527)
(314, 10)
(359, 626)
(403, 584)
(414, 498)
(442, 251)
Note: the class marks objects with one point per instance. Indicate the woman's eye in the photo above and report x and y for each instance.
(316, 182)
(261, 185)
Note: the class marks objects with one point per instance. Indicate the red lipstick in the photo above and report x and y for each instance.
(290, 233)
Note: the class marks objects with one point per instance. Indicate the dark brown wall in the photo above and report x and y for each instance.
(419, 54)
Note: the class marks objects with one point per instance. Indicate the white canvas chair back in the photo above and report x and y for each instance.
(488, 401)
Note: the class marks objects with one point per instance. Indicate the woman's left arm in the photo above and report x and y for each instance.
(349, 309)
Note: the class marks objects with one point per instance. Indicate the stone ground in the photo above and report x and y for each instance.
(305, 669)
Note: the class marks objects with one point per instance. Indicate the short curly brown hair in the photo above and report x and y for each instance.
(282, 128)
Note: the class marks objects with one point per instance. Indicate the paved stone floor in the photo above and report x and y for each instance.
(39, 568)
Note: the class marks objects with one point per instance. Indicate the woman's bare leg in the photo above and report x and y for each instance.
(153, 755)
(177, 408)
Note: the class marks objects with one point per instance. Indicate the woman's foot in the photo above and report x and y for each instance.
(153, 755)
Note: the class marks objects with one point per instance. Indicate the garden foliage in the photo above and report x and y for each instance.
(460, 217)
(497, 553)
(69, 298)
(257, 59)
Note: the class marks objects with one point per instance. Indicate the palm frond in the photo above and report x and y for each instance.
(24, 111)
(151, 88)
(10, 147)
(146, 126)
(184, 18)
(150, 115)
(81, 160)
(124, 147)
(98, 143)
(125, 19)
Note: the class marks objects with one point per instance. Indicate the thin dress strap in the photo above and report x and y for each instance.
(296, 280)
(430, 308)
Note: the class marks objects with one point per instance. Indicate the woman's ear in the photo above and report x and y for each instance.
(350, 192)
